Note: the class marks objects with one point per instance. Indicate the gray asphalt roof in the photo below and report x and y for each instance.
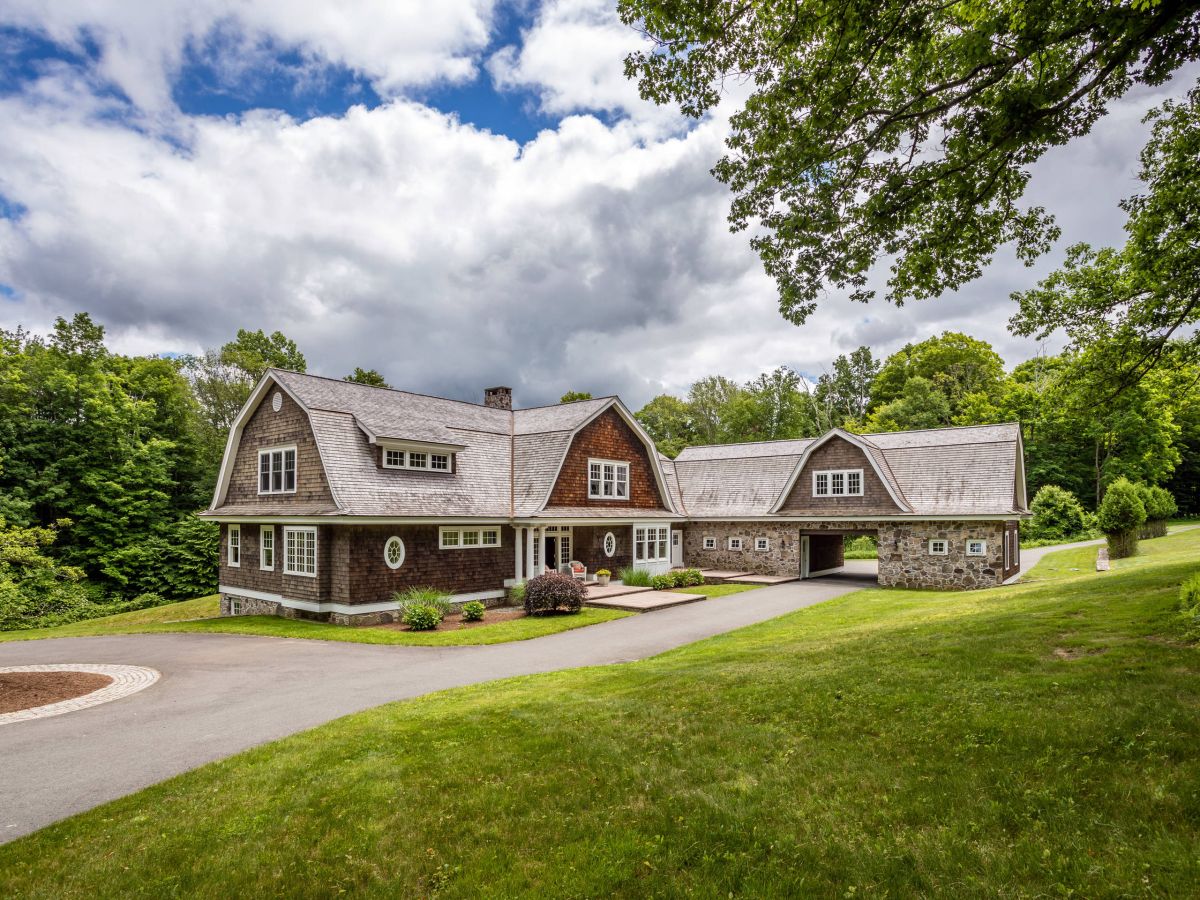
(510, 460)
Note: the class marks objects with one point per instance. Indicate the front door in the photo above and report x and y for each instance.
(676, 548)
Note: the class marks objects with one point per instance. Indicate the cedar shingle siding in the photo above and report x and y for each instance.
(839, 454)
(608, 437)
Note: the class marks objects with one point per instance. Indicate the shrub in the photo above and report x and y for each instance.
(428, 597)
(421, 618)
(634, 577)
(1120, 516)
(1160, 506)
(553, 592)
(516, 594)
(1057, 515)
(692, 577)
(473, 611)
(34, 589)
(1189, 606)
(662, 582)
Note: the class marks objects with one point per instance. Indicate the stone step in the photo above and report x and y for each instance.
(645, 602)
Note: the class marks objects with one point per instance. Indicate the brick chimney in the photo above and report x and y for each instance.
(498, 397)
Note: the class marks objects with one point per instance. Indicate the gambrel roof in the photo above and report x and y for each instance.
(507, 461)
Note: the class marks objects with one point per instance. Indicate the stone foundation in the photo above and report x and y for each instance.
(251, 606)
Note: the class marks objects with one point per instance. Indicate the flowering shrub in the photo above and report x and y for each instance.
(552, 593)
(473, 611)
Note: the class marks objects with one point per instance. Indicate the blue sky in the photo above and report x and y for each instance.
(457, 194)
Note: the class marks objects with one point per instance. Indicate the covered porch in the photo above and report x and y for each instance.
(653, 545)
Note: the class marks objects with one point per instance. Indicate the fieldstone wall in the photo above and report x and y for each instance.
(782, 557)
(905, 560)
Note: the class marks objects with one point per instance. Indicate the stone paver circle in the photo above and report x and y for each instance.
(126, 680)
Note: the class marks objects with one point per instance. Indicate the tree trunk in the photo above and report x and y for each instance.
(1122, 544)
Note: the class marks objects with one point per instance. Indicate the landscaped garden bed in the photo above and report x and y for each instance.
(27, 690)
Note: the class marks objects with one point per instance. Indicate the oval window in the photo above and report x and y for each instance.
(610, 544)
(393, 552)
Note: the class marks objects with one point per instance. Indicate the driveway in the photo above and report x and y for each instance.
(221, 694)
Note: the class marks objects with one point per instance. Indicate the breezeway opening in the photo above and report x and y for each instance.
(822, 555)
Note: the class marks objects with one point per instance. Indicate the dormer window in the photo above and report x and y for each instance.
(608, 480)
(416, 459)
(277, 470)
(838, 483)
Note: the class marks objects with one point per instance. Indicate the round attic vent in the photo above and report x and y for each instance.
(277, 401)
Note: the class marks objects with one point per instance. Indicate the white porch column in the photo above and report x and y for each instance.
(529, 538)
(517, 554)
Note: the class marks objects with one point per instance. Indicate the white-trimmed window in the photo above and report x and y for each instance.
(735, 544)
(650, 543)
(416, 459)
(608, 480)
(838, 483)
(266, 547)
(468, 538)
(761, 544)
(976, 548)
(299, 551)
(234, 556)
(235, 606)
(710, 543)
(610, 544)
(277, 470)
(939, 547)
(393, 552)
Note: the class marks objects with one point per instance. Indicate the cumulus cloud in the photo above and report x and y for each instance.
(142, 45)
(594, 257)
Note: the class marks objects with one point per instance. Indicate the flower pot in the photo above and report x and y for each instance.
(602, 580)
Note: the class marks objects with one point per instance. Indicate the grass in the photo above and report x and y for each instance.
(204, 614)
(1033, 740)
(716, 590)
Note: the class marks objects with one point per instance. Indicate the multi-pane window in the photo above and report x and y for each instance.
(393, 552)
(277, 471)
(976, 548)
(939, 547)
(650, 543)
(455, 538)
(234, 555)
(266, 547)
(735, 543)
(608, 480)
(762, 544)
(710, 543)
(838, 483)
(610, 543)
(416, 459)
(300, 551)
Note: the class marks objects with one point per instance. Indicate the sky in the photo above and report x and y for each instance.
(458, 194)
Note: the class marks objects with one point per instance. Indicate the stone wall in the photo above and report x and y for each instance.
(782, 557)
(905, 560)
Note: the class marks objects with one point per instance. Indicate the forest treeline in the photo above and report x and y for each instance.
(106, 458)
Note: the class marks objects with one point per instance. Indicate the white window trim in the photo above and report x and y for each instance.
(263, 531)
(284, 448)
(766, 544)
(617, 466)
(642, 541)
(945, 551)
(235, 531)
(403, 552)
(709, 543)
(460, 529)
(406, 456)
(982, 547)
(741, 544)
(845, 473)
(609, 537)
(296, 529)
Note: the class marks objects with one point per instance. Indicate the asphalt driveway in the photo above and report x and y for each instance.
(221, 694)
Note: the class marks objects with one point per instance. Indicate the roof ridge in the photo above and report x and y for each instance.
(568, 403)
(393, 390)
(747, 443)
(939, 428)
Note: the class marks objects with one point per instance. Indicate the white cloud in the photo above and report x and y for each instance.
(595, 257)
(395, 43)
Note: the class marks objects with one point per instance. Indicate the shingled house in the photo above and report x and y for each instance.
(334, 495)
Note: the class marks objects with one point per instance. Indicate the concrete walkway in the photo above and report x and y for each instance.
(220, 694)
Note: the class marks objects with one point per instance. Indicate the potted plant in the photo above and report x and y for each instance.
(602, 576)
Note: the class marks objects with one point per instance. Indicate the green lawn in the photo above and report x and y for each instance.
(717, 590)
(203, 614)
(1036, 740)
